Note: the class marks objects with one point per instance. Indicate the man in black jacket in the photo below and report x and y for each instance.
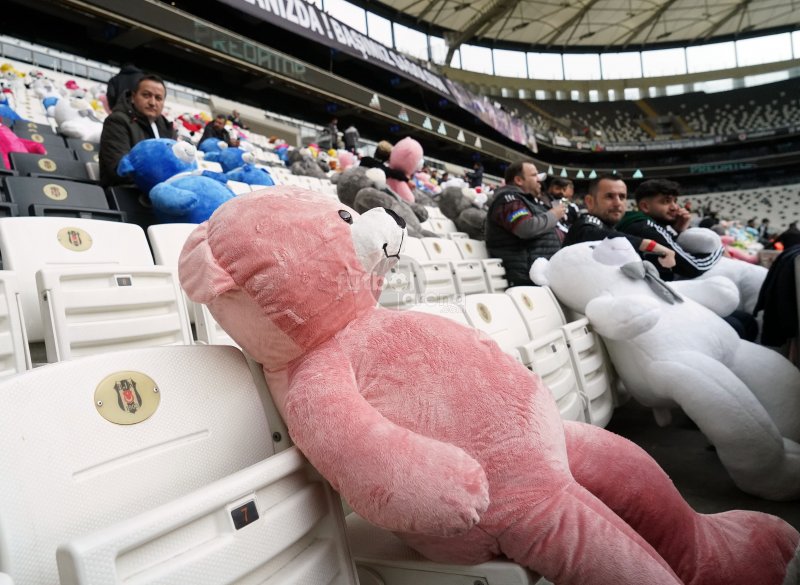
(521, 223)
(606, 203)
(124, 81)
(661, 219)
(136, 117)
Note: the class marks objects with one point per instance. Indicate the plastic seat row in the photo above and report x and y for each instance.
(191, 479)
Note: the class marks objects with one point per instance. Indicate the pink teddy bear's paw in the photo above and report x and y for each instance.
(443, 494)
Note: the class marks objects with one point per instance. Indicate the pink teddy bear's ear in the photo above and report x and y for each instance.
(201, 276)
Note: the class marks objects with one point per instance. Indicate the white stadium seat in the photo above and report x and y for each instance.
(94, 309)
(14, 354)
(28, 244)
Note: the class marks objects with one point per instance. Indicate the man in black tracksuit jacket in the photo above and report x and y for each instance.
(521, 223)
(661, 219)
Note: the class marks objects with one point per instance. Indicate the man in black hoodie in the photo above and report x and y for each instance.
(136, 117)
(126, 80)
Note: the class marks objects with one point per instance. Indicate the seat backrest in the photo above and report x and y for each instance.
(495, 315)
(442, 225)
(441, 249)
(28, 244)
(53, 192)
(36, 164)
(167, 241)
(472, 249)
(14, 354)
(93, 309)
(414, 248)
(79, 145)
(539, 309)
(66, 470)
(208, 329)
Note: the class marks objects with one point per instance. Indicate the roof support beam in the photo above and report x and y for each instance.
(741, 7)
(572, 22)
(428, 8)
(651, 22)
(481, 22)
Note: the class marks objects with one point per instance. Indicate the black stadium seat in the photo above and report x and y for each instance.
(79, 145)
(38, 165)
(52, 196)
(135, 204)
(86, 156)
(44, 135)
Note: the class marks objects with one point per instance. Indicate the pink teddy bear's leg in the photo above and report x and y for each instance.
(731, 548)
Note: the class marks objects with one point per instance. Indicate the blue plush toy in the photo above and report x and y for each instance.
(236, 163)
(168, 172)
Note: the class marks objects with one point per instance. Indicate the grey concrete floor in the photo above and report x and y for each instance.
(692, 464)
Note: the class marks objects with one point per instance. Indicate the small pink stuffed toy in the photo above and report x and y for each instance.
(10, 142)
(406, 157)
(452, 444)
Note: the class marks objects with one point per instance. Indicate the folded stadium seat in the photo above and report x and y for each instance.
(181, 484)
(493, 269)
(38, 165)
(547, 355)
(28, 244)
(95, 309)
(87, 156)
(441, 226)
(434, 278)
(457, 236)
(238, 187)
(14, 352)
(79, 145)
(468, 274)
(58, 197)
(542, 314)
(434, 212)
(167, 241)
(42, 134)
(93, 170)
(134, 204)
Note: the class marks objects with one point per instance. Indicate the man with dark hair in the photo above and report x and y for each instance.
(136, 117)
(561, 189)
(216, 129)
(126, 80)
(661, 219)
(606, 203)
(521, 223)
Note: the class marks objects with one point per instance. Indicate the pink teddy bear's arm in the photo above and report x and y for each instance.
(393, 477)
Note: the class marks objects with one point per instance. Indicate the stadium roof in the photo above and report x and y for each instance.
(600, 24)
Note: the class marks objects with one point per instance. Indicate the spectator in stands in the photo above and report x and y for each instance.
(351, 139)
(124, 81)
(560, 189)
(789, 238)
(521, 223)
(661, 219)
(333, 132)
(606, 203)
(710, 220)
(763, 231)
(235, 119)
(136, 117)
(475, 176)
(216, 129)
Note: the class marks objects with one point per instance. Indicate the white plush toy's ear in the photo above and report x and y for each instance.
(201, 276)
(377, 176)
(539, 271)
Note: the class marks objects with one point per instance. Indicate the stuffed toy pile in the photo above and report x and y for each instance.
(236, 163)
(364, 189)
(76, 118)
(676, 351)
(465, 207)
(167, 171)
(429, 430)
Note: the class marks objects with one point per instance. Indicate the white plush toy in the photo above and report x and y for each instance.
(672, 349)
(747, 277)
(76, 118)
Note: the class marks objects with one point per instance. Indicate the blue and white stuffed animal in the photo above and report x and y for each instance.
(179, 191)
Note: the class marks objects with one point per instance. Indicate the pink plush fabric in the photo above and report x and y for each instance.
(10, 142)
(406, 156)
(428, 429)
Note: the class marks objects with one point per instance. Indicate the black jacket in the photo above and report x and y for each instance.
(123, 130)
(589, 228)
(517, 244)
(687, 265)
(778, 300)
